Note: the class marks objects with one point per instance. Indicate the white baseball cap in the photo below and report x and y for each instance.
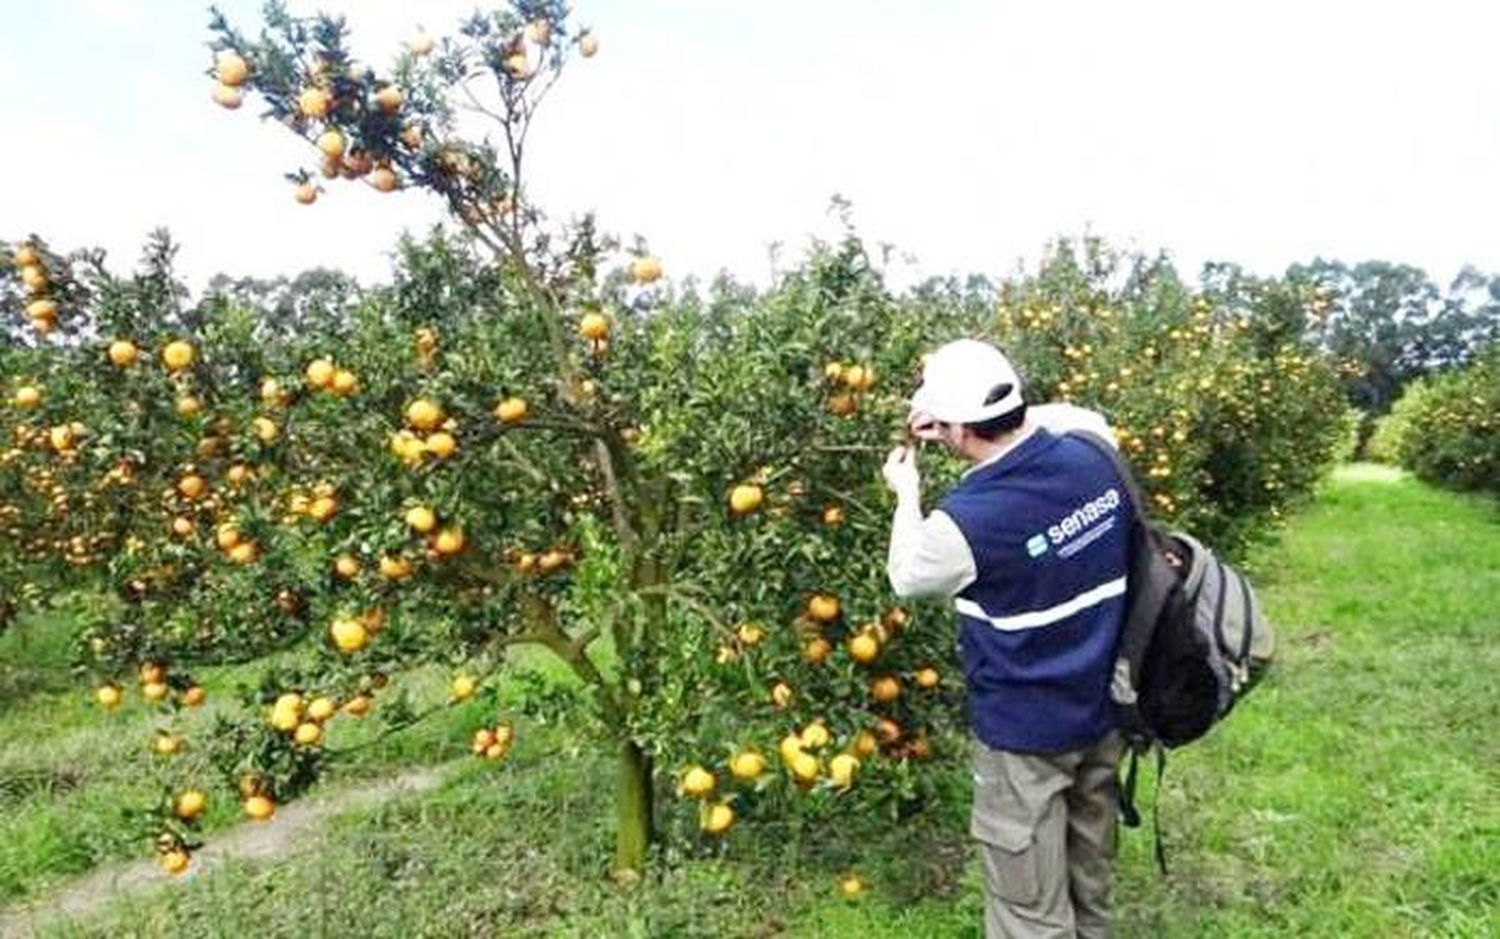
(967, 382)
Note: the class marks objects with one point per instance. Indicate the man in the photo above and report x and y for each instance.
(1031, 546)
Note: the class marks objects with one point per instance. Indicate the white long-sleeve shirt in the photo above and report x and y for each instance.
(930, 556)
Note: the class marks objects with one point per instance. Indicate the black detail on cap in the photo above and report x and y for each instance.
(998, 393)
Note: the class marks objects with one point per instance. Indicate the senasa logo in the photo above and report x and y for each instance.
(1085, 515)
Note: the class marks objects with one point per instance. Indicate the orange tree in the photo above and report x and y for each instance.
(515, 444)
(1227, 413)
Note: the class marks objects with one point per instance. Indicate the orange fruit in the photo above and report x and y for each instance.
(518, 66)
(178, 355)
(226, 96)
(349, 634)
(441, 444)
(781, 694)
(189, 805)
(123, 353)
(33, 278)
(331, 143)
(863, 648)
(227, 535)
(842, 405)
(833, 515)
(194, 696)
(841, 769)
(308, 734)
(28, 396)
(594, 326)
(927, 677)
(698, 782)
(463, 687)
(394, 568)
(385, 179)
(323, 508)
(745, 498)
(804, 766)
(588, 45)
(389, 99)
(816, 651)
(421, 519)
(305, 193)
(231, 69)
(175, 862)
(717, 818)
(747, 765)
(320, 373)
(539, 32)
(315, 102)
(449, 541)
(645, 270)
(815, 736)
(424, 414)
(823, 608)
(108, 696)
(191, 486)
(421, 44)
(347, 566)
(885, 689)
(511, 410)
(259, 807)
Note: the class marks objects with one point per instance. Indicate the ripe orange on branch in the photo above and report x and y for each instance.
(511, 410)
(178, 355)
(349, 634)
(123, 353)
(594, 326)
(315, 103)
(645, 270)
(232, 69)
(823, 608)
(424, 414)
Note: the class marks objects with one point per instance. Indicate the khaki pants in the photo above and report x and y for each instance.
(1046, 827)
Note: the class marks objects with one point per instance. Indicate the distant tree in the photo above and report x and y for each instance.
(316, 298)
(1386, 324)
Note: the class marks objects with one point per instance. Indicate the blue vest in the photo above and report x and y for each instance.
(1048, 524)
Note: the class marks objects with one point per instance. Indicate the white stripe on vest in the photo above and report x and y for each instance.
(1113, 588)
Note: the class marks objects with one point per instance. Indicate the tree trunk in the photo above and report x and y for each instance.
(633, 838)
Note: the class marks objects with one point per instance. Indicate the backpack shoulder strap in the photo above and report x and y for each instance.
(1118, 462)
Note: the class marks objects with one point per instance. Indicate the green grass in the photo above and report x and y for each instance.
(70, 772)
(1354, 794)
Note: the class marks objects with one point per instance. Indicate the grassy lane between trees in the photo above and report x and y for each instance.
(1353, 794)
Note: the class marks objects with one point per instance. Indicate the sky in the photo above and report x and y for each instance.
(967, 134)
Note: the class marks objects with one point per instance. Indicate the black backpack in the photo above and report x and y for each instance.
(1193, 643)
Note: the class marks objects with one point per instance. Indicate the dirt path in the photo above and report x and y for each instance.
(291, 826)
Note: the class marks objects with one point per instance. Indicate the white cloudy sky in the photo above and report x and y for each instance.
(967, 133)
